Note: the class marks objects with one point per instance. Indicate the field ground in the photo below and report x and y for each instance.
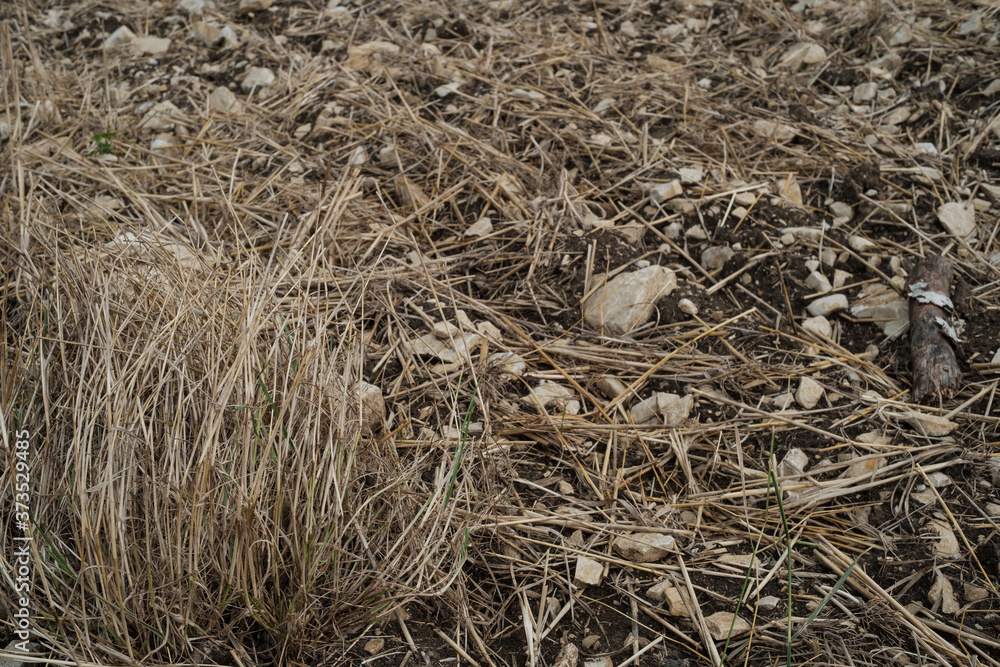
(305, 378)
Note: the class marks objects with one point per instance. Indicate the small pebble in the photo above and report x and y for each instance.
(687, 306)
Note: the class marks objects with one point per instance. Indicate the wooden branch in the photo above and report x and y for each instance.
(935, 366)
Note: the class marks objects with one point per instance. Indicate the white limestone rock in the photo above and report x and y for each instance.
(589, 572)
(809, 393)
(827, 305)
(722, 624)
(644, 547)
(628, 299)
(119, 37)
(257, 77)
(958, 219)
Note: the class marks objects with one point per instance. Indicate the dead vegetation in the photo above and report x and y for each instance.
(305, 370)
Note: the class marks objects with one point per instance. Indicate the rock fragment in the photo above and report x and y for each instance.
(222, 99)
(119, 37)
(809, 393)
(722, 624)
(827, 305)
(772, 129)
(715, 258)
(818, 325)
(644, 547)
(589, 572)
(661, 192)
(958, 219)
(257, 77)
(627, 300)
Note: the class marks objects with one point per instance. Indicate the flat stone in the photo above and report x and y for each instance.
(861, 244)
(840, 278)
(611, 387)
(568, 656)
(691, 175)
(549, 393)
(661, 192)
(827, 305)
(723, 624)
(881, 304)
(818, 325)
(974, 593)
(768, 603)
(803, 53)
(247, 6)
(864, 467)
(644, 547)
(946, 545)
(793, 464)
(408, 193)
(628, 299)
(196, 6)
(257, 77)
(806, 234)
(374, 645)
(161, 117)
(772, 129)
(222, 99)
(959, 219)
(934, 426)
(900, 35)
(865, 92)
(790, 191)
(151, 45)
(207, 33)
(508, 362)
(372, 407)
(817, 282)
(715, 258)
(666, 592)
(687, 306)
(809, 393)
(119, 37)
(482, 227)
(589, 572)
(369, 56)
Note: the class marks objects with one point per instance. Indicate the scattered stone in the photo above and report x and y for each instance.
(881, 304)
(804, 53)
(739, 212)
(508, 362)
(358, 157)
(817, 282)
(151, 45)
(959, 219)
(658, 593)
(745, 198)
(792, 465)
(229, 37)
(644, 410)
(257, 77)
(722, 624)
(941, 592)
(589, 572)
(771, 129)
(974, 593)
(927, 175)
(666, 592)
(369, 56)
(687, 306)
(119, 37)
(602, 661)
(840, 278)
(549, 393)
(611, 387)
(161, 117)
(590, 641)
(864, 467)
(207, 33)
(248, 6)
(447, 89)
(628, 299)
(783, 400)
(715, 258)
(482, 227)
(809, 393)
(827, 305)
(971, 25)
(644, 547)
(627, 28)
(409, 193)
(934, 426)
(568, 656)
(790, 191)
(661, 192)
(926, 147)
(842, 213)
(900, 35)
(222, 99)
(674, 408)
(896, 117)
(768, 603)
(696, 233)
(691, 175)
(806, 234)
(865, 92)
(818, 325)
(565, 488)
(164, 145)
(375, 645)
(939, 480)
(992, 191)
(196, 6)
(946, 545)
(861, 244)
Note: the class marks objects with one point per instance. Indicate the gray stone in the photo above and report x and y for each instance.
(222, 99)
(589, 572)
(119, 37)
(257, 77)
(817, 282)
(827, 305)
(715, 258)
(959, 219)
(818, 325)
(809, 393)
(722, 624)
(661, 192)
(628, 299)
(644, 547)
